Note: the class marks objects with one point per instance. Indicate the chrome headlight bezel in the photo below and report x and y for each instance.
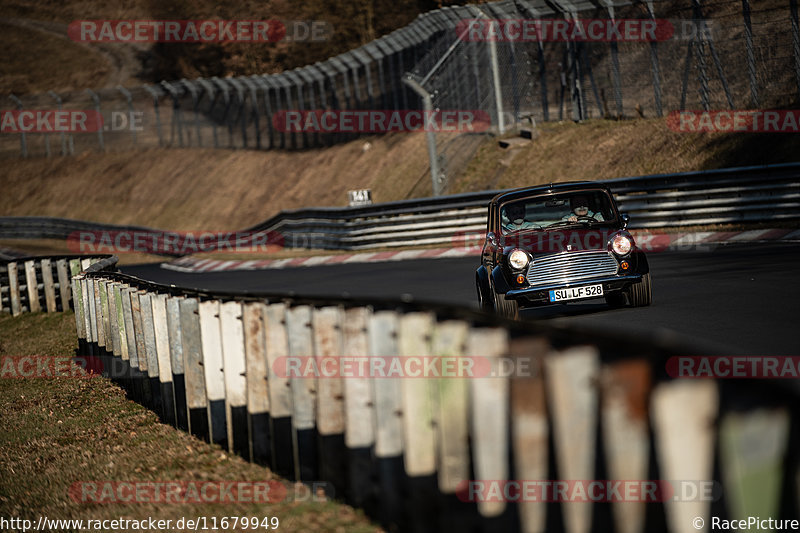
(621, 244)
(518, 259)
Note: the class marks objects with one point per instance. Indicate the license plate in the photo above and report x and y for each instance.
(575, 293)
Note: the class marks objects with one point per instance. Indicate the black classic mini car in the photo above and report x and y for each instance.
(557, 244)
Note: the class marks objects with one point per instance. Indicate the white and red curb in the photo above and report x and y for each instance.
(649, 242)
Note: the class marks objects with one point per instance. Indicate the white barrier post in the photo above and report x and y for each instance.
(257, 375)
(33, 287)
(63, 284)
(49, 286)
(233, 359)
(163, 357)
(193, 368)
(214, 371)
(176, 360)
(298, 324)
(280, 393)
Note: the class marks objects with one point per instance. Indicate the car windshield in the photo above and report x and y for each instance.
(556, 211)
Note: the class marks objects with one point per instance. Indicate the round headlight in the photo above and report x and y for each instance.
(621, 244)
(518, 259)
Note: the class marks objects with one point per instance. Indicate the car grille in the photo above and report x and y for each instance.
(556, 269)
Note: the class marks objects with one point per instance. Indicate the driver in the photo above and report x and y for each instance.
(516, 218)
(580, 210)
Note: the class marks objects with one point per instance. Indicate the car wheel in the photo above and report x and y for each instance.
(642, 293)
(615, 299)
(483, 303)
(506, 308)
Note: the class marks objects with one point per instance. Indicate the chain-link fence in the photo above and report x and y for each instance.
(708, 55)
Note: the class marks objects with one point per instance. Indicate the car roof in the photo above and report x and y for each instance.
(524, 192)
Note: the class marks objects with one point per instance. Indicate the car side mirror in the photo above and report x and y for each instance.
(625, 219)
(491, 238)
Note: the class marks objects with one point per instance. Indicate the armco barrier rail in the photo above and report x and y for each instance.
(39, 283)
(768, 193)
(580, 406)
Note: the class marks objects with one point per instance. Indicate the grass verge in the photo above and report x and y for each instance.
(58, 431)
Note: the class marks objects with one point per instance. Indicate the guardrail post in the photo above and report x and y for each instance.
(121, 324)
(359, 415)
(33, 287)
(419, 426)
(625, 387)
(452, 423)
(683, 418)
(80, 326)
(573, 402)
(489, 416)
(298, 325)
(176, 360)
(13, 290)
(383, 332)
(214, 371)
(63, 284)
(530, 436)
(327, 330)
(49, 287)
(115, 370)
(87, 295)
(141, 371)
(280, 394)
(258, 384)
(163, 357)
(233, 357)
(151, 352)
(192, 350)
(130, 338)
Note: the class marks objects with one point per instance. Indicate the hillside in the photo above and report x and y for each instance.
(232, 189)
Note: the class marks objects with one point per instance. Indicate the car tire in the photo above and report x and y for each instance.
(506, 308)
(641, 294)
(615, 299)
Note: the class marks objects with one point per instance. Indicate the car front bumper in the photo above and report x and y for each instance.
(541, 295)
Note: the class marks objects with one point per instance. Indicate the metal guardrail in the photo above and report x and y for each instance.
(30, 284)
(768, 193)
(590, 405)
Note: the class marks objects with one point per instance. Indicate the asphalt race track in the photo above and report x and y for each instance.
(733, 299)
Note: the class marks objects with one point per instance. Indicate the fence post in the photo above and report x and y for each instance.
(49, 286)
(489, 415)
(151, 353)
(23, 140)
(419, 426)
(96, 100)
(751, 60)
(530, 436)
(280, 394)
(176, 360)
(383, 332)
(163, 357)
(258, 384)
(63, 284)
(298, 325)
(572, 396)
(193, 368)
(33, 286)
(233, 362)
(214, 371)
(13, 290)
(359, 412)
(625, 387)
(327, 331)
(683, 414)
